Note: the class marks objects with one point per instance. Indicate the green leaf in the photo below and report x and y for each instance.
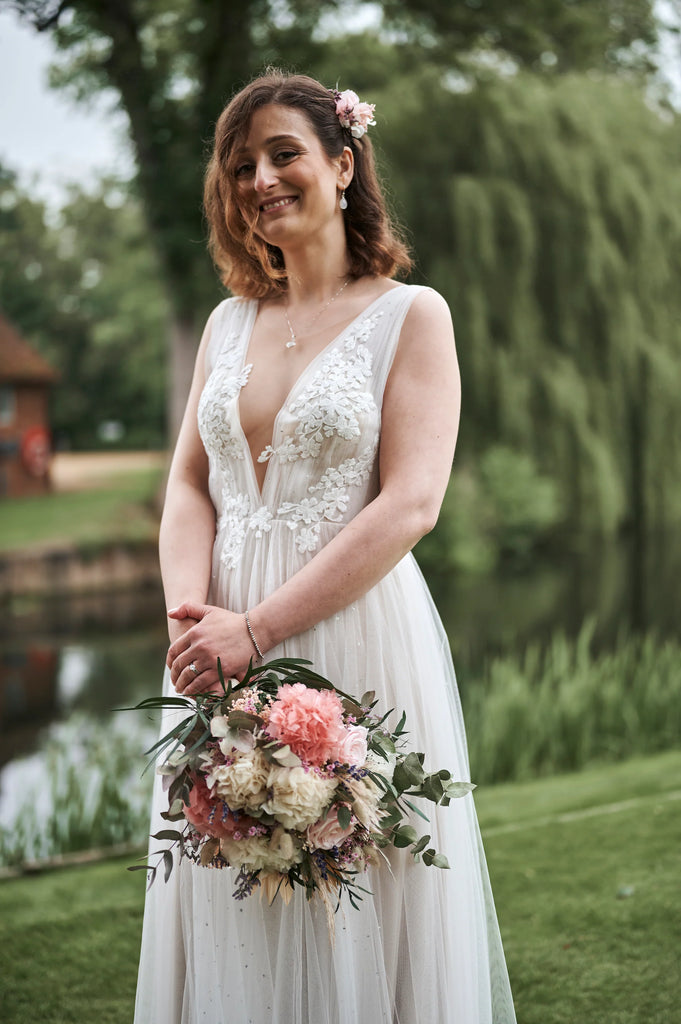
(167, 833)
(415, 809)
(440, 861)
(404, 836)
(167, 864)
(239, 719)
(368, 699)
(421, 845)
(344, 815)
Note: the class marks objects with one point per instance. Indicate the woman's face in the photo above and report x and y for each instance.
(284, 182)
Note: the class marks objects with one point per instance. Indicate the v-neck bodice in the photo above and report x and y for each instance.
(322, 455)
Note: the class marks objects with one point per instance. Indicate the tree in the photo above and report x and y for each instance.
(174, 64)
(86, 290)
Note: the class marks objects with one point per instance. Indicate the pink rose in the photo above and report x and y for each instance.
(310, 721)
(352, 114)
(327, 833)
(352, 748)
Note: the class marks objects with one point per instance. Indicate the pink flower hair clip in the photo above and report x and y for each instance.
(352, 114)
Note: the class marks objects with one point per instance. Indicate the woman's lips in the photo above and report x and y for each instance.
(277, 204)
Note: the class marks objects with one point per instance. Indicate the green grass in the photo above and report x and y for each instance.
(577, 953)
(122, 509)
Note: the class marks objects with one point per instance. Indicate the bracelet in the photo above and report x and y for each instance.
(252, 636)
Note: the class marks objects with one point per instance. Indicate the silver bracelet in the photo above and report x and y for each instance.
(252, 636)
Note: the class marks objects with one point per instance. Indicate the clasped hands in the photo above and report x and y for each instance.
(210, 633)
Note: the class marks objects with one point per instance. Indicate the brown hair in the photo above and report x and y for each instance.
(250, 267)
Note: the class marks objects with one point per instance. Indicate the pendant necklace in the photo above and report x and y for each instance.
(293, 340)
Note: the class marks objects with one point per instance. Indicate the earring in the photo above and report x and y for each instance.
(343, 201)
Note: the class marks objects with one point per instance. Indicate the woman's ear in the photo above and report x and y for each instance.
(346, 167)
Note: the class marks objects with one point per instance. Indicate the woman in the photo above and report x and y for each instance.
(286, 532)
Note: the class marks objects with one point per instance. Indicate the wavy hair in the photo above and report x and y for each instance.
(249, 266)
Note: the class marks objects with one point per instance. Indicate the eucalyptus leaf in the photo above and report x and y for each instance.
(344, 815)
(404, 836)
(167, 833)
(167, 864)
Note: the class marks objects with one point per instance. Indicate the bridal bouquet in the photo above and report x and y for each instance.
(292, 782)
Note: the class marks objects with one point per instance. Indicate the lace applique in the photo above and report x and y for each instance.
(215, 415)
(329, 501)
(333, 400)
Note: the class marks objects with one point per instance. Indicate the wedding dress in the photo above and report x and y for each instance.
(425, 948)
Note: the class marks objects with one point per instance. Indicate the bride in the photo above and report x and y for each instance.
(314, 453)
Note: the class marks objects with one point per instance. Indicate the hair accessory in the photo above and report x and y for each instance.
(252, 636)
(352, 114)
(343, 201)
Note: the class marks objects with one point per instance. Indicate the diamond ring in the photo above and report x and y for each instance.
(194, 669)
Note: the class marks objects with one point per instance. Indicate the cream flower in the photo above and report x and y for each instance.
(243, 784)
(297, 798)
(258, 852)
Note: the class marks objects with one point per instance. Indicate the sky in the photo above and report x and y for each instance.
(45, 137)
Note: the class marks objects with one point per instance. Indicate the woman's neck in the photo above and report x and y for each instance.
(315, 272)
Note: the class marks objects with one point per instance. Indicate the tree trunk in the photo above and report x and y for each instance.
(183, 339)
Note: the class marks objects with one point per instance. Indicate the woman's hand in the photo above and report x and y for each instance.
(217, 633)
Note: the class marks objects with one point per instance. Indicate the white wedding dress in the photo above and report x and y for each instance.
(425, 949)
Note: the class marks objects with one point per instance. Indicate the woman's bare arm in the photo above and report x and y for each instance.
(188, 522)
(420, 417)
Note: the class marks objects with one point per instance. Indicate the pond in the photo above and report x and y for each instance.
(66, 664)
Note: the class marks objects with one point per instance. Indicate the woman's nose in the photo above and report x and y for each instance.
(265, 175)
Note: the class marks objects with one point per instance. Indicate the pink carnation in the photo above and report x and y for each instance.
(310, 721)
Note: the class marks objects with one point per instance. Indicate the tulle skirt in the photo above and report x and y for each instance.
(425, 948)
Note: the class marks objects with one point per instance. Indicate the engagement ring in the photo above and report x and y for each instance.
(194, 669)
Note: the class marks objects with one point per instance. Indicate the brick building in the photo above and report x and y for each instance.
(25, 448)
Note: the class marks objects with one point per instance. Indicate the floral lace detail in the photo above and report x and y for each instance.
(333, 400)
(215, 416)
(329, 500)
(237, 519)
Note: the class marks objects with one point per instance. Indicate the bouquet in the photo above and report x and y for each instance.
(292, 782)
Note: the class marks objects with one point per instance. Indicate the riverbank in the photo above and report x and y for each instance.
(96, 531)
(584, 869)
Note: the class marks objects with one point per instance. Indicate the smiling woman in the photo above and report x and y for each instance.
(315, 451)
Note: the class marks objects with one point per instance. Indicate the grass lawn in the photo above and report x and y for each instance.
(587, 899)
(120, 509)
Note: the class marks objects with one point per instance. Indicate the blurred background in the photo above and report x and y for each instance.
(532, 151)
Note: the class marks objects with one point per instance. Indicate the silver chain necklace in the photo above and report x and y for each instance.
(293, 340)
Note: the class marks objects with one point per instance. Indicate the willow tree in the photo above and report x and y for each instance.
(173, 63)
(549, 213)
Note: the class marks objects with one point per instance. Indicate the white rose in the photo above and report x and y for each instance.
(296, 798)
(352, 749)
(243, 784)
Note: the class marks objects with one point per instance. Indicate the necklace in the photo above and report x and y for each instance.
(293, 340)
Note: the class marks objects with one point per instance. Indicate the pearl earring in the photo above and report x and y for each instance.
(343, 201)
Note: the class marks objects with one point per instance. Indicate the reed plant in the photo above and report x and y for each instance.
(560, 706)
(88, 791)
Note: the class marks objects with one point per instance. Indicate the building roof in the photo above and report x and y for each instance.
(19, 362)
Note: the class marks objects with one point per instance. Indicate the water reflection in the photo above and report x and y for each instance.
(64, 665)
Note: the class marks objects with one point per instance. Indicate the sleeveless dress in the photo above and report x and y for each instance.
(425, 948)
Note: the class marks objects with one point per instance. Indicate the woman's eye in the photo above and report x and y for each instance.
(242, 170)
(286, 154)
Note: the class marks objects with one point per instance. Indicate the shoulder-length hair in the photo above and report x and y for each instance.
(249, 266)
